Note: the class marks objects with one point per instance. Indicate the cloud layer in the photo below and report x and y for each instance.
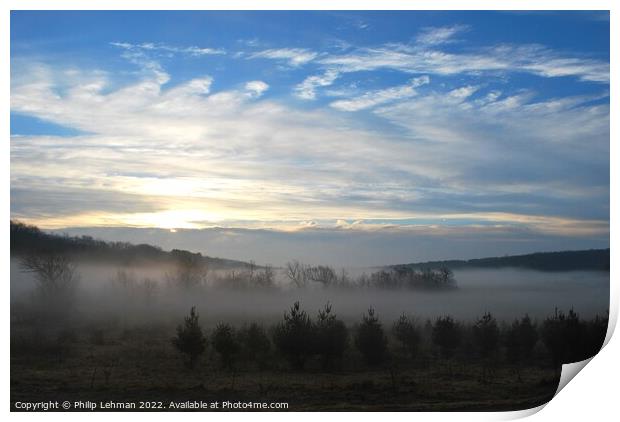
(456, 158)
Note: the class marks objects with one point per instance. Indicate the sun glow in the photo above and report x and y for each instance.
(171, 219)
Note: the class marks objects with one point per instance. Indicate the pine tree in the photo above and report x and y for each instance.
(370, 339)
(189, 339)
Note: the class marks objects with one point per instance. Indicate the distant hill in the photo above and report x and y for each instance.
(26, 239)
(592, 259)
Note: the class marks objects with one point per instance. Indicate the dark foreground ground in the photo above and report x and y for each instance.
(143, 367)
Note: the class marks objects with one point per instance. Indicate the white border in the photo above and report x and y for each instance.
(592, 395)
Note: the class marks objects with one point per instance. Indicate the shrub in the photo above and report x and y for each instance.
(331, 337)
(565, 338)
(486, 339)
(226, 344)
(190, 340)
(255, 344)
(596, 330)
(520, 339)
(446, 335)
(370, 339)
(486, 335)
(294, 336)
(407, 334)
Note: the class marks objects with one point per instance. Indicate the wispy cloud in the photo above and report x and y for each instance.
(381, 96)
(439, 35)
(159, 47)
(334, 168)
(533, 59)
(307, 89)
(468, 155)
(292, 56)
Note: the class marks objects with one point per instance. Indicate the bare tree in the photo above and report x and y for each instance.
(251, 269)
(344, 280)
(148, 288)
(191, 269)
(322, 274)
(296, 272)
(55, 274)
(265, 278)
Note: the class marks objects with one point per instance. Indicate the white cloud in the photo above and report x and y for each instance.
(453, 154)
(307, 89)
(190, 50)
(463, 92)
(422, 80)
(256, 88)
(147, 65)
(377, 97)
(532, 59)
(197, 86)
(439, 35)
(293, 56)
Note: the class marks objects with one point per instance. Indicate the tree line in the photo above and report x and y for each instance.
(298, 339)
(584, 260)
(29, 240)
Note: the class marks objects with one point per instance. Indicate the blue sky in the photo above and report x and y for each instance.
(486, 128)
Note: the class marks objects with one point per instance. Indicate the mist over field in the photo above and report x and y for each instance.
(343, 246)
(506, 293)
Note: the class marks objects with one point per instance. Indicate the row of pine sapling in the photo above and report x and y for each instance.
(299, 339)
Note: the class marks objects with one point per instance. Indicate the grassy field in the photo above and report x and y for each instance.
(140, 364)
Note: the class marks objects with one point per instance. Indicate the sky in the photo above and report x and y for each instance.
(353, 138)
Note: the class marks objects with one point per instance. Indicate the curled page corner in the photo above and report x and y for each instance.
(569, 371)
(520, 414)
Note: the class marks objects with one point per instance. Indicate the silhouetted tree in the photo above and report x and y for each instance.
(294, 336)
(407, 334)
(226, 344)
(565, 337)
(446, 276)
(486, 335)
(189, 339)
(486, 338)
(331, 337)
(255, 344)
(265, 278)
(370, 339)
(56, 277)
(519, 340)
(148, 289)
(446, 335)
(552, 333)
(191, 269)
(576, 342)
(322, 274)
(296, 273)
(595, 332)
